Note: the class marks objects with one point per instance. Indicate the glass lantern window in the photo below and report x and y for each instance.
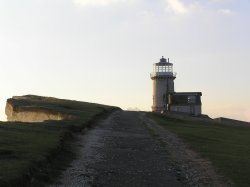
(162, 68)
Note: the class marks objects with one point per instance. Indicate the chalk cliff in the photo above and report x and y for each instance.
(29, 109)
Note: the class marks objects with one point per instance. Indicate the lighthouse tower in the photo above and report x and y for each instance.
(163, 84)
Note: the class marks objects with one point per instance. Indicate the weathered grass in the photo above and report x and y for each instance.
(28, 149)
(23, 147)
(228, 147)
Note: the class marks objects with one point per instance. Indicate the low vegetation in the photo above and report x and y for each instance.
(226, 146)
(28, 149)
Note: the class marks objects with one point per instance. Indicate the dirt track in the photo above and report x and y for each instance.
(127, 149)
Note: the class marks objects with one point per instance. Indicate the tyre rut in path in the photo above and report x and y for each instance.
(121, 151)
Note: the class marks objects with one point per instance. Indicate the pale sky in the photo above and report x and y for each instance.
(103, 50)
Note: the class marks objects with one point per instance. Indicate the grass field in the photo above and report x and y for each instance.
(26, 149)
(228, 147)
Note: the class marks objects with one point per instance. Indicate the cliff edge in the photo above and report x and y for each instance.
(31, 108)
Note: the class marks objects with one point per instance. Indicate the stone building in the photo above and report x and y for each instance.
(185, 102)
(164, 96)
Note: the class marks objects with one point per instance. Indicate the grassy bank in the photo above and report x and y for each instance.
(27, 149)
(228, 147)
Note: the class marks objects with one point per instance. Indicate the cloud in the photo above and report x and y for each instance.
(219, 1)
(226, 12)
(181, 7)
(176, 6)
(98, 2)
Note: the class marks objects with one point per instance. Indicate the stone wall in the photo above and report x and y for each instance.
(189, 109)
(161, 86)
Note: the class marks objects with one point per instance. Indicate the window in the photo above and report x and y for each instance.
(163, 68)
(191, 99)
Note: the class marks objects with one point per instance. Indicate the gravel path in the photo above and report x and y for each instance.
(121, 151)
(130, 150)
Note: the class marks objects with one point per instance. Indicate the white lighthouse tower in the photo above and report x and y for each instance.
(163, 84)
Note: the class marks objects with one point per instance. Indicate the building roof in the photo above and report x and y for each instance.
(186, 93)
(164, 61)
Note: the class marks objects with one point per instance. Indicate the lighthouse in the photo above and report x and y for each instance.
(163, 84)
(165, 99)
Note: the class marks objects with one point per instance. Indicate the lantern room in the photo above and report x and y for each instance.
(163, 68)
